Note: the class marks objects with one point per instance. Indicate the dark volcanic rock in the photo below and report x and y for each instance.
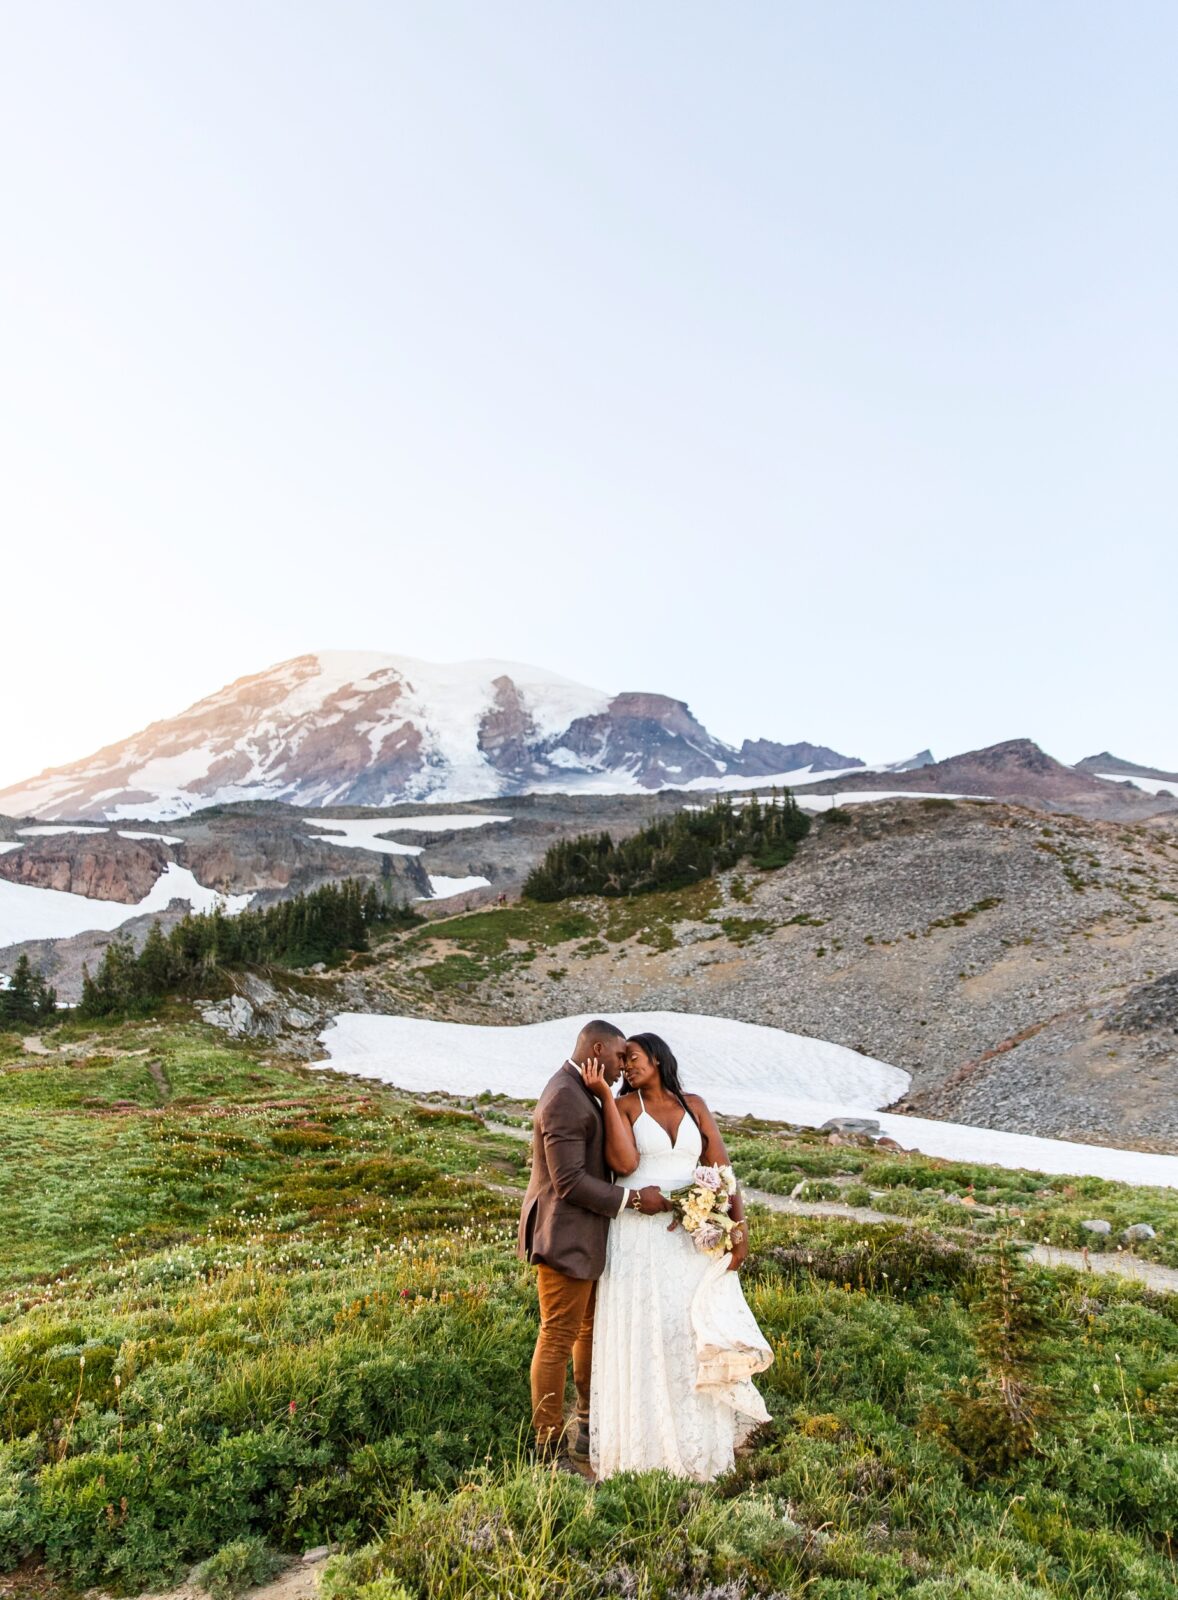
(237, 850)
(1153, 1008)
(764, 756)
(507, 732)
(654, 739)
(101, 866)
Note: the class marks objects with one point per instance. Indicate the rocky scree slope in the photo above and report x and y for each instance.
(1000, 956)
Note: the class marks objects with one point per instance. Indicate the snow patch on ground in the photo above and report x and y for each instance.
(27, 912)
(362, 833)
(852, 797)
(443, 888)
(738, 1067)
(455, 822)
(359, 834)
(1147, 785)
(43, 829)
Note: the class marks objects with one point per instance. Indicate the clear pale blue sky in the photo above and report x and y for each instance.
(817, 364)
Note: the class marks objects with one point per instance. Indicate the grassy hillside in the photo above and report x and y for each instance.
(241, 1298)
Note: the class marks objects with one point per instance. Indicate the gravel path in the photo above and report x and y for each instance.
(1121, 1265)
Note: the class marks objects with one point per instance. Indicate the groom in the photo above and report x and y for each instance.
(562, 1230)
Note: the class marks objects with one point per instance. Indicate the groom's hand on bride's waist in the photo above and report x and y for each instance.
(652, 1200)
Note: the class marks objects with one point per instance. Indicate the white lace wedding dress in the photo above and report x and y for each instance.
(674, 1342)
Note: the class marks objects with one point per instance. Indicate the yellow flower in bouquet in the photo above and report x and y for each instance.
(702, 1209)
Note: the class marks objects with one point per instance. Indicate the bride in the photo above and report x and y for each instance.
(674, 1342)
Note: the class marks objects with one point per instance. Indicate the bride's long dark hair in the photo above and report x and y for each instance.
(663, 1057)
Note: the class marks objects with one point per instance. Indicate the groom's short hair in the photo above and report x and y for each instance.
(600, 1029)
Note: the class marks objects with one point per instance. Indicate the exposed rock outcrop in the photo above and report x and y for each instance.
(101, 866)
(764, 756)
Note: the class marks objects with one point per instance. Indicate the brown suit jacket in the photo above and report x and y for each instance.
(570, 1200)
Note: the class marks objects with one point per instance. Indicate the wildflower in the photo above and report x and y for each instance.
(293, 1407)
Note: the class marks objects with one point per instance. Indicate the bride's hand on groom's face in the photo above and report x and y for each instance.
(593, 1077)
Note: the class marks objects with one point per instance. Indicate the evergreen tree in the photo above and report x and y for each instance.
(672, 852)
(323, 925)
(28, 998)
(155, 962)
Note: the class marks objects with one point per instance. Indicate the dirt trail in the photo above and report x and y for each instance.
(298, 1582)
(1120, 1265)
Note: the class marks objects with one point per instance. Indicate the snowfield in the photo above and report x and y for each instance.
(27, 912)
(860, 797)
(738, 1067)
(43, 829)
(444, 887)
(363, 833)
(1146, 785)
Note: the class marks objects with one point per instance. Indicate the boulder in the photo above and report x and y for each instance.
(850, 1125)
(1137, 1232)
(237, 1017)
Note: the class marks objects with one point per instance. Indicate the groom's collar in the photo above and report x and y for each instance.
(574, 1070)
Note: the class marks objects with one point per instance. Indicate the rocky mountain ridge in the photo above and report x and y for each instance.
(354, 729)
(342, 728)
(1017, 770)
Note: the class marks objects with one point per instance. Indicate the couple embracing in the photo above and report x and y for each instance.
(662, 1341)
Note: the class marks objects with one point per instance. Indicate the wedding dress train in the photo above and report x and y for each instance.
(674, 1342)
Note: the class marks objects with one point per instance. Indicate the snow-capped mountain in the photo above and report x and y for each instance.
(348, 728)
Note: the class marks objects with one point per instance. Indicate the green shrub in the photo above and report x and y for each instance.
(236, 1567)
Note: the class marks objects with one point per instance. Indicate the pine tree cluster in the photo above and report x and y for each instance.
(28, 998)
(672, 852)
(320, 926)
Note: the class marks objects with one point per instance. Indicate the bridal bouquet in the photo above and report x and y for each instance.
(702, 1209)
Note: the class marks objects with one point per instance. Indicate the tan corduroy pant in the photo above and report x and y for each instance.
(566, 1329)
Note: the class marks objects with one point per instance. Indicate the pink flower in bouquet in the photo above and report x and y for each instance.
(710, 1178)
(707, 1236)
